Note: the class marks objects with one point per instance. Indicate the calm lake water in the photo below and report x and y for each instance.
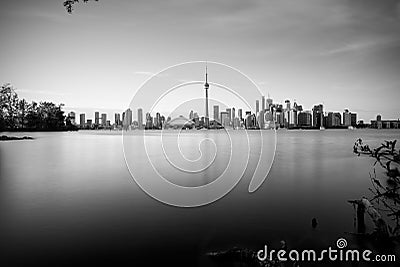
(69, 199)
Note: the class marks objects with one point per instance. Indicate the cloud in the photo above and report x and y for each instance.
(362, 45)
(148, 73)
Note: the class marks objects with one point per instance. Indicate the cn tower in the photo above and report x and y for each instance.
(206, 86)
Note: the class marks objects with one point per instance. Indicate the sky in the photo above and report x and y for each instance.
(342, 53)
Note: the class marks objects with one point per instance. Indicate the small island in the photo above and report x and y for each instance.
(13, 138)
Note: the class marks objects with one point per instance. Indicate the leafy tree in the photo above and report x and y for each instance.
(8, 106)
(19, 114)
(70, 3)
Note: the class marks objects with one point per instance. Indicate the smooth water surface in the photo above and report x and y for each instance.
(68, 198)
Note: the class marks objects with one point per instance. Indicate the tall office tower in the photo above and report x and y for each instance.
(318, 115)
(263, 103)
(216, 113)
(293, 117)
(128, 116)
(240, 114)
(162, 122)
(346, 118)
(333, 119)
(224, 118)
(103, 119)
(233, 117)
(191, 115)
(71, 117)
(260, 119)
(305, 119)
(140, 118)
(337, 119)
(354, 119)
(89, 123)
(196, 119)
(117, 119)
(330, 121)
(155, 122)
(287, 113)
(149, 121)
(257, 106)
(158, 120)
(82, 119)
(229, 111)
(96, 118)
(206, 86)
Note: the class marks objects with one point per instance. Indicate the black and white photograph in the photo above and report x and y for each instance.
(200, 133)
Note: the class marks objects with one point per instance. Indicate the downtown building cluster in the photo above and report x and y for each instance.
(267, 115)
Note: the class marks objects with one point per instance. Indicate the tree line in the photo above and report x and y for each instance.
(19, 115)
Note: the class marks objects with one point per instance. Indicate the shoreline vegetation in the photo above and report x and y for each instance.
(383, 207)
(18, 115)
(13, 138)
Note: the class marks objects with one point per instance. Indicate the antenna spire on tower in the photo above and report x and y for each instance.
(206, 73)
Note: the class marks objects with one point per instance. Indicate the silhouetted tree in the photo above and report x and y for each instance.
(385, 189)
(8, 106)
(70, 3)
(18, 114)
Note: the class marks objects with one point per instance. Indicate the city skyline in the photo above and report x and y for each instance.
(268, 115)
(348, 60)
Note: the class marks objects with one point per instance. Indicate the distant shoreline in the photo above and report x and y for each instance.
(13, 138)
(37, 130)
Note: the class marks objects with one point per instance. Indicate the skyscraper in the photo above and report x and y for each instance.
(140, 117)
(304, 119)
(157, 121)
(318, 115)
(82, 119)
(287, 113)
(224, 118)
(346, 118)
(354, 119)
(96, 118)
(257, 106)
(260, 119)
(104, 119)
(129, 116)
(229, 112)
(263, 103)
(233, 117)
(117, 119)
(333, 119)
(206, 86)
(216, 113)
(149, 121)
